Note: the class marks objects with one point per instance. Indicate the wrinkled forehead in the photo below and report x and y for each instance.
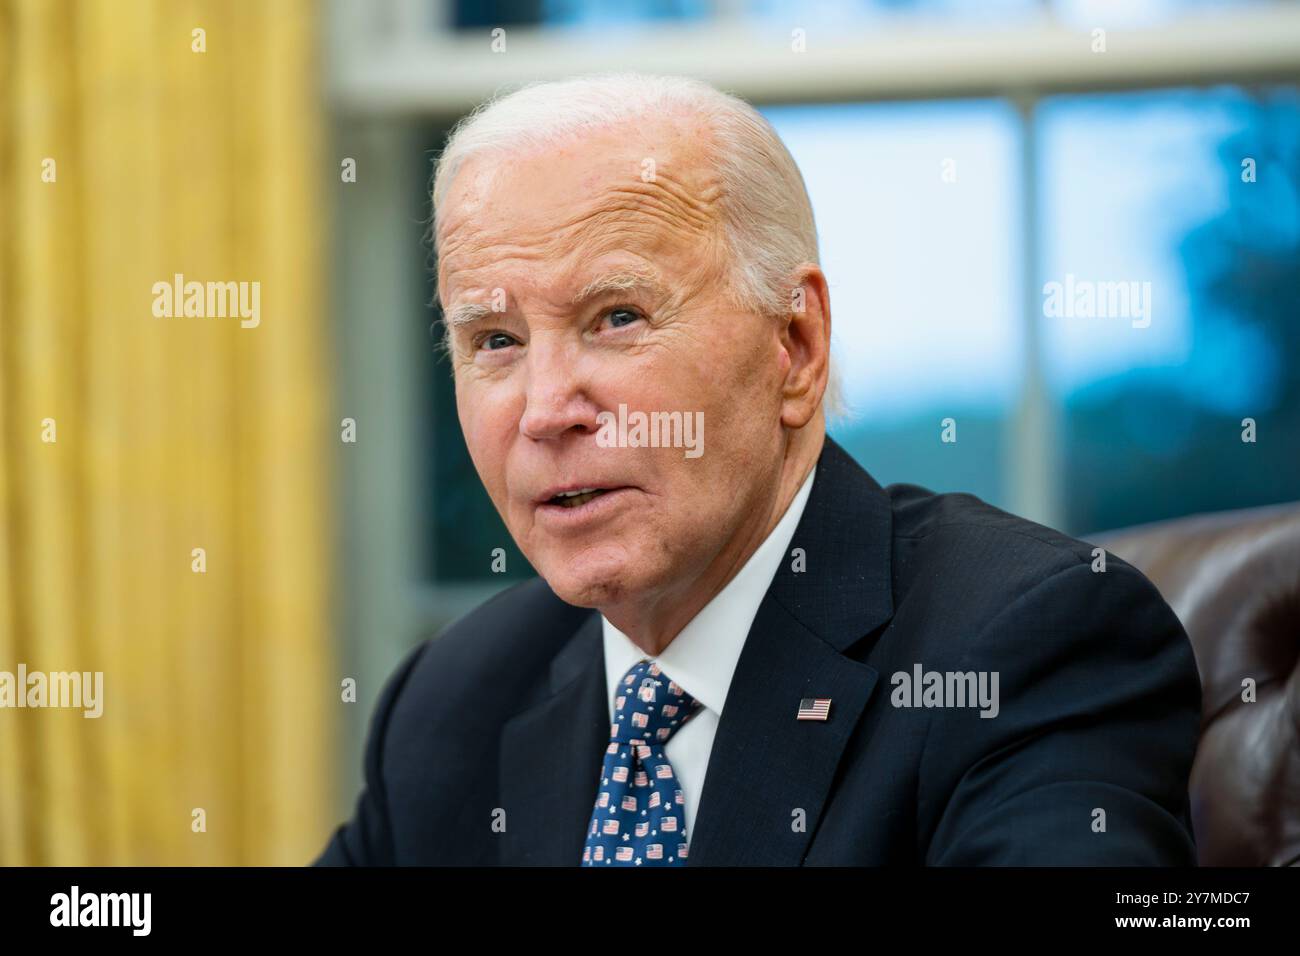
(642, 189)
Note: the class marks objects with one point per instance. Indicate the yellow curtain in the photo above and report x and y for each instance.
(130, 440)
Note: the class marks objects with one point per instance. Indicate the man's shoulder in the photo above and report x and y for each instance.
(488, 659)
(958, 545)
(924, 518)
(525, 618)
(525, 623)
(930, 533)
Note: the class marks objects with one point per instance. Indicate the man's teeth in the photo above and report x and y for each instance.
(572, 499)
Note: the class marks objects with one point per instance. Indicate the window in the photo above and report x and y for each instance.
(1194, 199)
(917, 213)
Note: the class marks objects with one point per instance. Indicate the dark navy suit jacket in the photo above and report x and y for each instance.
(486, 744)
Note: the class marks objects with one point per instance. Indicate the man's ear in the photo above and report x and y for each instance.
(806, 341)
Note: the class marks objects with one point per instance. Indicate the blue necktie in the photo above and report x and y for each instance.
(639, 817)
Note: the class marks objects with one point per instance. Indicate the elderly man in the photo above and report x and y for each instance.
(741, 649)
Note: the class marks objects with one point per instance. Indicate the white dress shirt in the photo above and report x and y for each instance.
(703, 656)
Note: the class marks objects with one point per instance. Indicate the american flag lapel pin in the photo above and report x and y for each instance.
(814, 708)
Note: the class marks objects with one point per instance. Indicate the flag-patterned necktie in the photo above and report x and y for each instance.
(639, 817)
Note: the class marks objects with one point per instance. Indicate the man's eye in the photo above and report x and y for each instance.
(498, 340)
(621, 317)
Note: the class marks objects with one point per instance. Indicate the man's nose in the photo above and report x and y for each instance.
(555, 400)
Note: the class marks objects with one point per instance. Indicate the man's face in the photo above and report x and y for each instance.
(609, 290)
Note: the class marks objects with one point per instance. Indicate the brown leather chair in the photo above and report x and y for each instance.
(1234, 580)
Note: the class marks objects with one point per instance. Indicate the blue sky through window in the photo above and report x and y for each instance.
(924, 274)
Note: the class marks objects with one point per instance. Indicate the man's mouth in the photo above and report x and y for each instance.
(574, 508)
(574, 499)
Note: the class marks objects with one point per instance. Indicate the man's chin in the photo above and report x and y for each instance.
(585, 592)
(584, 582)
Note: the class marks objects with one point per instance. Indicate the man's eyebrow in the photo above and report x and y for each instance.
(464, 313)
(623, 280)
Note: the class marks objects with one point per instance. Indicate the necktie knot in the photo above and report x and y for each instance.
(649, 707)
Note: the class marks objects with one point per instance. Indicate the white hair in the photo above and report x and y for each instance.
(765, 212)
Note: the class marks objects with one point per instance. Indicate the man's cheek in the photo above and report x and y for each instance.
(489, 461)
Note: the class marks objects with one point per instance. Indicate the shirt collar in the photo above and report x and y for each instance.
(703, 656)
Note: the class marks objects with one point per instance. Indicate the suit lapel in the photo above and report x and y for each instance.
(769, 774)
(551, 755)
